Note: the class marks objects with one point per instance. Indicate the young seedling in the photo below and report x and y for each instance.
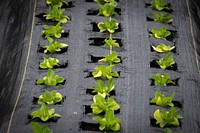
(162, 18)
(108, 9)
(161, 33)
(101, 105)
(51, 79)
(44, 113)
(56, 14)
(37, 128)
(49, 63)
(102, 89)
(167, 118)
(111, 58)
(56, 2)
(111, 42)
(109, 122)
(104, 71)
(52, 97)
(108, 26)
(159, 5)
(162, 48)
(161, 100)
(54, 46)
(53, 31)
(166, 62)
(162, 80)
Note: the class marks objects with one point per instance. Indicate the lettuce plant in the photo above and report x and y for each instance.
(51, 79)
(53, 31)
(167, 118)
(109, 122)
(166, 62)
(104, 71)
(161, 33)
(56, 2)
(161, 100)
(100, 104)
(108, 9)
(111, 58)
(56, 14)
(49, 63)
(111, 42)
(162, 18)
(37, 128)
(44, 113)
(103, 89)
(108, 26)
(162, 80)
(52, 97)
(159, 5)
(54, 46)
(162, 48)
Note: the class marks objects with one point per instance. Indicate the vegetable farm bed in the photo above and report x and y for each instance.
(21, 43)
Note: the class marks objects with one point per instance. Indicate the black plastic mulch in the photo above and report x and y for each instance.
(133, 88)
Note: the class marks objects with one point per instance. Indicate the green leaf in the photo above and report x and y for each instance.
(108, 26)
(161, 33)
(167, 118)
(111, 58)
(56, 14)
(111, 42)
(161, 100)
(107, 9)
(49, 63)
(44, 114)
(100, 104)
(53, 31)
(50, 79)
(102, 2)
(104, 71)
(50, 97)
(162, 48)
(166, 62)
(162, 18)
(54, 47)
(159, 5)
(109, 122)
(37, 128)
(103, 89)
(162, 80)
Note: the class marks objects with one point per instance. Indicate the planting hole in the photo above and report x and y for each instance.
(153, 123)
(58, 84)
(171, 37)
(173, 50)
(176, 104)
(169, 5)
(35, 100)
(70, 4)
(63, 50)
(93, 0)
(170, 84)
(154, 64)
(96, 29)
(53, 119)
(89, 91)
(95, 12)
(85, 126)
(89, 74)
(88, 110)
(101, 42)
(95, 59)
(62, 66)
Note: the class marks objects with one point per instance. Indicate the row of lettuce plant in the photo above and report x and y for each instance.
(50, 32)
(104, 76)
(163, 118)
